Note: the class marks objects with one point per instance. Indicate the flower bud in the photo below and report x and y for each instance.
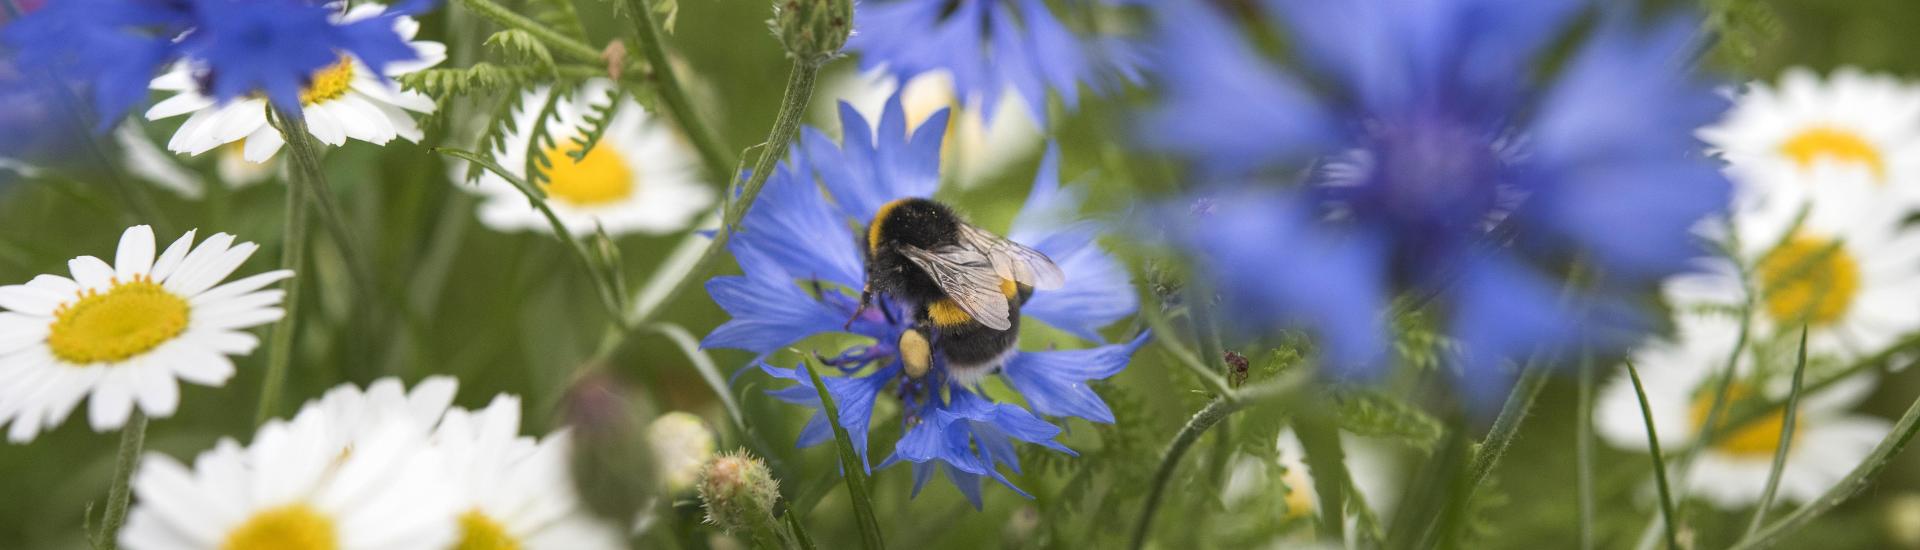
(613, 466)
(739, 492)
(682, 444)
(812, 30)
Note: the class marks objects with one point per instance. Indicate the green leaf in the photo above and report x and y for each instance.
(598, 118)
(851, 465)
(1374, 414)
(520, 46)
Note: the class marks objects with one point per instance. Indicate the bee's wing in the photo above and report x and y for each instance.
(1014, 261)
(968, 278)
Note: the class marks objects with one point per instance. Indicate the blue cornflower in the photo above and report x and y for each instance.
(271, 47)
(803, 271)
(1443, 171)
(990, 46)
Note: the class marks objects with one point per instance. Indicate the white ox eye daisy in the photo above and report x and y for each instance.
(343, 100)
(641, 177)
(1680, 377)
(1808, 131)
(352, 414)
(514, 491)
(289, 491)
(1850, 270)
(121, 334)
(974, 148)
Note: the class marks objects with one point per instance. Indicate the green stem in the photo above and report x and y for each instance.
(1787, 420)
(1206, 418)
(646, 35)
(1856, 481)
(312, 181)
(133, 437)
(610, 297)
(293, 256)
(505, 16)
(1156, 319)
(1213, 413)
(793, 108)
(1583, 450)
(1487, 457)
(1659, 466)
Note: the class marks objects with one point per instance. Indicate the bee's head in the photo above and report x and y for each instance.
(913, 221)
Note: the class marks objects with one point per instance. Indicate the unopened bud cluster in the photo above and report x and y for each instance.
(739, 492)
(813, 30)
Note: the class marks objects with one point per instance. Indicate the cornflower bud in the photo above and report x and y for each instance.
(738, 493)
(682, 445)
(812, 30)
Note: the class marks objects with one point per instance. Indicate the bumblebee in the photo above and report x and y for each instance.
(965, 285)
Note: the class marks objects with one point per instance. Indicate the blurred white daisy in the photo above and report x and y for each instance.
(1849, 269)
(682, 444)
(343, 100)
(515, 491)
(1680, 377)
(641, 177)
(1809, 130)
(352, 413)
(289, 490)
(1369, 463)
(122, 334)
(974, 148)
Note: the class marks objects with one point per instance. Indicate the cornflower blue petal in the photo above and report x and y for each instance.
(852, 396)
(1054, 383)
(1210, 77)
(1296, 273)
(1506, 312)
(989, 46)
(794, 227)
(1393, 53)
(274, 46)
(1099, 290)
(112, 46)
(769, 309)
(867, 169)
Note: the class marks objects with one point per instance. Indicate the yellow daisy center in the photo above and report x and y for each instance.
(599, 178)
(1836, 144)
(130, 319)
(290, 527)
(328, 83)
(1756, 439)
(1809, 279)
(479, 532)
(1299, 502)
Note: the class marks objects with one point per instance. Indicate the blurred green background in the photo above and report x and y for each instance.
(508, 313)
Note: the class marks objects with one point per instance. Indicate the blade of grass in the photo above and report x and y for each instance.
(799, 530)
(1583, 451)
(854, 468)
(1659, 464)
(1788, 417)
(1855, 482)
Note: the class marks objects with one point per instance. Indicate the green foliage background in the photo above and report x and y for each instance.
(507, 313)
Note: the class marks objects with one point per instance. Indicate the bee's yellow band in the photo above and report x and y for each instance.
(946, 313)
(879, 218)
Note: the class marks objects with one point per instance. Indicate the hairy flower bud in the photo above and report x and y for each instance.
(682, 444)
(739, 492)
(812, 30)
(613, 466)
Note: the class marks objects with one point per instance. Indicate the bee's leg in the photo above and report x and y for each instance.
(866, 298)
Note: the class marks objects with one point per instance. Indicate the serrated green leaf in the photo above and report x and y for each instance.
(1374, 414)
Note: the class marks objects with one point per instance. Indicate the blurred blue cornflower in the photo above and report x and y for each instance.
(1438, 169)
(990, 46)
(247, 46)
(803, 271)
